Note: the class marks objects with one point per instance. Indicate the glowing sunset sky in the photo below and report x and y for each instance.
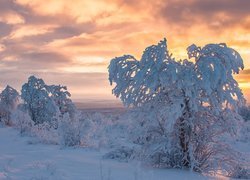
(71, 42)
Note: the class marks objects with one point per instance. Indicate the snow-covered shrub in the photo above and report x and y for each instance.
(9, 99)
(102, 130)
(45, 133)
(122, 153)
(184, 108)
(91, 130)
(22, 122)
(70, 130)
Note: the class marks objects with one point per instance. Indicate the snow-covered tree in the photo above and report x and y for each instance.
(9, 99)
(61, 97)
(37, 101)
(46, 103)
(183, 107)
(244, 111)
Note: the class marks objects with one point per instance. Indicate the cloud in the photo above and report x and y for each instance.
(61, 32)
(7, 6)
(83, 36)
(5, 29)
(80, 85)
(38, 61)
(245, 72)
(213, 13)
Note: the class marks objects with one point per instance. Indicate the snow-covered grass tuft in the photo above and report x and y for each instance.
(123, 154)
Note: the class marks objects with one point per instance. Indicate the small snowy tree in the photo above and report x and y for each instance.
(61, 97)
(183, 106)
(37, 101)
(46, 103)
(9, 99)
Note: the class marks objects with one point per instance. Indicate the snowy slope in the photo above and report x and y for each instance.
(20, 159)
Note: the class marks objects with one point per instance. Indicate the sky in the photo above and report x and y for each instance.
(72, 42)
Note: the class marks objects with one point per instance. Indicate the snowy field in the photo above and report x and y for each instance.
(21, 159)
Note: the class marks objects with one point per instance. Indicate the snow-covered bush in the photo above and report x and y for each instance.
(22, 122)
(9, 99)
(67, 134)
(184, 108)
(122, 153)
(92, 130)
(45, 133)
(103, 130)
(70, 130)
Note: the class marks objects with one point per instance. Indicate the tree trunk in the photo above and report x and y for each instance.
(184, 133)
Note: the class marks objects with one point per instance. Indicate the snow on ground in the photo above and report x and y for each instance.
(21, 159)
